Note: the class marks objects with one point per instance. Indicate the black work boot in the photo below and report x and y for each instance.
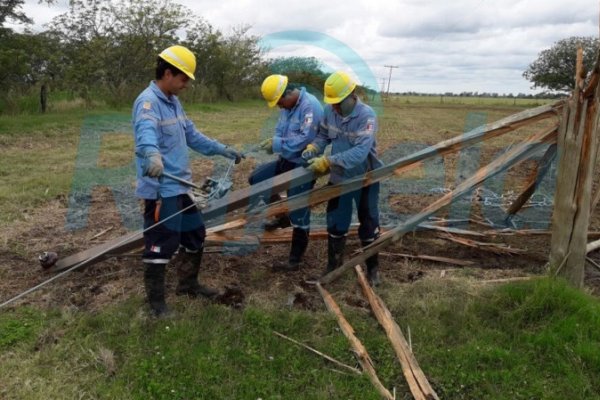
(154, 282)
(372, 267)
(187, 272)
(335, 252)
(299, 244)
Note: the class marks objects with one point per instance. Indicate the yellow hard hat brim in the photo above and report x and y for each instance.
(333, 100)
(191, 76)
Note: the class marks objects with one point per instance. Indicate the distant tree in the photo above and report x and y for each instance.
(110, 45)
(11, 10)
(29, 60)
(230, 65)
(307, 71)
(554, 69)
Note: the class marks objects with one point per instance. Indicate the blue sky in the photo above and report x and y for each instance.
(438, 46)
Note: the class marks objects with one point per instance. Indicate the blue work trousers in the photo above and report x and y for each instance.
(339, 213)
(299, 218)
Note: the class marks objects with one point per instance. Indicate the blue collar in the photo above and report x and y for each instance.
(159, 93)
(300, 96)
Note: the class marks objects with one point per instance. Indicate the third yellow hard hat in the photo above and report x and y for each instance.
(273, 87)
(337, 87)
(181, 58)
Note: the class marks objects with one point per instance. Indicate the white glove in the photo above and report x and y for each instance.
(154, 166)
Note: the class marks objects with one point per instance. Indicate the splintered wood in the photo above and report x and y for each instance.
(359, 349)
(577, 149)
(417, 382)
(416, 379)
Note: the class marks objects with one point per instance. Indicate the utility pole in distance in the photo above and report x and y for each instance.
(390, 76)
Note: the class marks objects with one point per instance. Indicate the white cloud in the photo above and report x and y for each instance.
(463, 45)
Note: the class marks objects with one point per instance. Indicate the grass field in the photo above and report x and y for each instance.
(534, 340)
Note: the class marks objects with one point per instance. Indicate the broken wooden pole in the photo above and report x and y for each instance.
(416, 379)
(535, 181)
(577, 144)
(519, 153)
(359, 349)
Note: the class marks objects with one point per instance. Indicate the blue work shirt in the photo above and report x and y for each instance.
(353, 143)
(297, 127)
(161, 126)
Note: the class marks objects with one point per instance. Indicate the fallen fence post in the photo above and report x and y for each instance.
(361, 352)
(416, 379)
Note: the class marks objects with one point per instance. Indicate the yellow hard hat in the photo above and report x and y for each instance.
(181, 58)
(337, 87)
(273, 87)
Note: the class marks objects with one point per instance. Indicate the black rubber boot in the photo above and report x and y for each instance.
(299, 245)
(154, 281)
(335, 252)
(372, 267)
(187, 272)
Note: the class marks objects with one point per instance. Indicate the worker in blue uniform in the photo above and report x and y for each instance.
(299, 119)
(350, 127)
(163, 134)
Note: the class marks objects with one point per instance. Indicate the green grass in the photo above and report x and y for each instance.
(533, 340)
(485, 101)
(46, 146)
(206, 352)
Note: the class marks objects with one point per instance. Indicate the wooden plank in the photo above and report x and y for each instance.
(492, 247)
(446, 260)
(416, 379)
(506, 160)
(359, 349)
(539, 174)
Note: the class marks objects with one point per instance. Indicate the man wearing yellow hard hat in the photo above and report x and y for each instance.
(349, 126)
(299, 118)
(163, 134)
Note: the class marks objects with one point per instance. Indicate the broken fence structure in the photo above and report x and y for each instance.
(573, 137)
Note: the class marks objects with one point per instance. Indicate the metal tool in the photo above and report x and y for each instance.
(180, 180)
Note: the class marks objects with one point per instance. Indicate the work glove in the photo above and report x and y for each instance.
(154, 166)
(319, 165)
(267, 145)
(233, 154)
(310, 151)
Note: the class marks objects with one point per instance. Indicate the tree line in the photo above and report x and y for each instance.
(102, 50)
(105, 50)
